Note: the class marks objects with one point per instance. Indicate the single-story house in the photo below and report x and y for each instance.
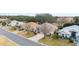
(70, 31)
(65, 19)
(4, 21)
(15, 23)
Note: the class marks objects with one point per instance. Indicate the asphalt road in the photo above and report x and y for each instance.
(17, 39)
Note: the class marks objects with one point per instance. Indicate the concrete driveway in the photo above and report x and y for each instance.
(37, 37)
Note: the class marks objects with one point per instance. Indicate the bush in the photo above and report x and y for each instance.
(55, 36)
(3, 23)
(12, 28)
(70, 40)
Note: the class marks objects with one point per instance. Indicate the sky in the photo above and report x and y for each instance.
(32, 7)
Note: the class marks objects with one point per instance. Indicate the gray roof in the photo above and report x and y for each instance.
(71, 28)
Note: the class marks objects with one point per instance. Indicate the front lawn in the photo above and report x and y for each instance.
(55, 42)
(26, 34)
(9, 29)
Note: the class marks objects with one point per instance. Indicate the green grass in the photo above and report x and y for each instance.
(29, 34)
(55, 42)
(26, 34)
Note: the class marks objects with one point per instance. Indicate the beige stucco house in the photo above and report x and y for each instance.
(63, 20)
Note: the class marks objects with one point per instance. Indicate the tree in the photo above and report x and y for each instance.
(3, 23)
(45, 18)
(31, 26)
(76, 19)
(22, 18)
(41, 18)
(47, 28)
(30, 19)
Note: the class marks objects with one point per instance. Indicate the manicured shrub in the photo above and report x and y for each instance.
(55, 36)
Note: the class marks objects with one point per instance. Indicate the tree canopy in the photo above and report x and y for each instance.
(41, 18)
(45, 18)
(76, 19)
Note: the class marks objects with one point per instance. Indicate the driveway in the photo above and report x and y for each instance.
(37, 37)
(17, 39)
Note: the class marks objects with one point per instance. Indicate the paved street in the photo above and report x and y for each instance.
(17, 39)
